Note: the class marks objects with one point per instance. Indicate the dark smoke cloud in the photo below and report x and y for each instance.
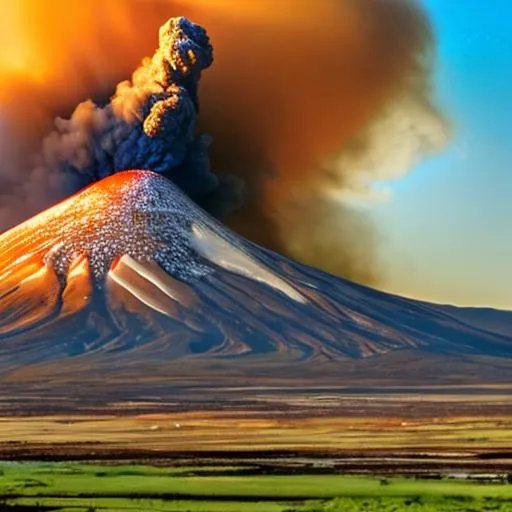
(308, 102)
(150, 123)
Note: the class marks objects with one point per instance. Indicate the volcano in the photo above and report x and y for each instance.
(128, 284)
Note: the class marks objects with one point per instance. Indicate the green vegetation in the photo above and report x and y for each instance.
(81, 487)
(409, 504)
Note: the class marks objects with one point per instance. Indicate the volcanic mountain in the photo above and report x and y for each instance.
(129, 283)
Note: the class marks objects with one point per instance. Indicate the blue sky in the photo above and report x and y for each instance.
(448, 229)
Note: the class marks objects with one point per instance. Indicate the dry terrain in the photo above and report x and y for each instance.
(402, 433)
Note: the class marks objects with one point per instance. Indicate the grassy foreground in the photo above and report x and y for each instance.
(76, 487)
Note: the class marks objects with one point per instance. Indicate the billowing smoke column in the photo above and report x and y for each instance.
(150, 123)
(309, 103)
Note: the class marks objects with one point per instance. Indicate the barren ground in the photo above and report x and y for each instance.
(324, 429)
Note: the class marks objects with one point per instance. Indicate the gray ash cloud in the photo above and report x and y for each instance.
(150, 124)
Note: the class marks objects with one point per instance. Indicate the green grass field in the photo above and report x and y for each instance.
(77, 487)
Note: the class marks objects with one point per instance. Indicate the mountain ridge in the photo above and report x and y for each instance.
(130, 273)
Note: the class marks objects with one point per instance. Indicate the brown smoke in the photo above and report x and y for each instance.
(308, 101)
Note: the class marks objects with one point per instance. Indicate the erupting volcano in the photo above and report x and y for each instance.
(133, 276)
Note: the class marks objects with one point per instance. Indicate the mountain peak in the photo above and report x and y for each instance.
(130, 263)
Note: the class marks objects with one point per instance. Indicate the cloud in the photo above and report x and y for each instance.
(306, 100)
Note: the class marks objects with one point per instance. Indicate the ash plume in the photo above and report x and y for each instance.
(309, 103)
(149, 124)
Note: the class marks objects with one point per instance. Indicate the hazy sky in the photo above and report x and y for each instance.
(448, 229)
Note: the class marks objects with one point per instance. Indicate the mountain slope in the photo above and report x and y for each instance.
(130, 274)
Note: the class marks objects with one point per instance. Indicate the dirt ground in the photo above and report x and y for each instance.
(430, 433)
